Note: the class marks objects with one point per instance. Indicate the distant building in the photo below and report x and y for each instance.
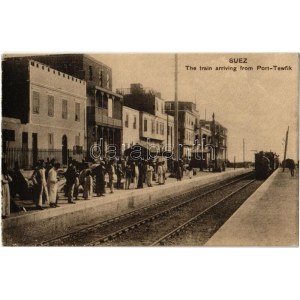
(131, 127)
(44, 113)
(104, 107)
(214, 139)
(205, 142)
(187, 125)
(156, 127)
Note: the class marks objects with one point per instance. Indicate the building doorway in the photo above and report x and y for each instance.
(24, 149)
(34, 148)
(64, 150)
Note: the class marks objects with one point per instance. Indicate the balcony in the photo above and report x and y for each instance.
(102, 118)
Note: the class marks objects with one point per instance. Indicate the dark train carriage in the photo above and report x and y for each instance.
(274, 160)
(265, 164)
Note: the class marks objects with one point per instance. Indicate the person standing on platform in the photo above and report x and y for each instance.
(181, 168)
(52, 184)
(111, 175)
(42, 190)
(35, 189)
(88, 186)
(154, 174)
(292, 168)
(135, 174)
(141, 169)
(149, 170)
(48, 166)
(100, 171)
(5, 193)
(160, 173)
(128, 176)
(70, 182)
(164, 167)
(76, 187)
(119, 173)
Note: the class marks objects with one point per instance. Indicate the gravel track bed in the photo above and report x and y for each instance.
(205, 227)
(82, 238)
(146, 234)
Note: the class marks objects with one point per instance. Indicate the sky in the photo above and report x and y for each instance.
(257, 105)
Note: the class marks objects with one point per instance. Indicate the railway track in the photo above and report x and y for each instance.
(162, 240)
(103, 232)
(159, 230)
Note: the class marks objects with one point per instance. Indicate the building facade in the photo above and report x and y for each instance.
(104, 107)
(44, 113)
(214, 140)
(188, 116)
(156, 128)
(205, 142)
(131, 127)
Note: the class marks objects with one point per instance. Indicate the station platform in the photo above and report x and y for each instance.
(269, 217)
(24, 228)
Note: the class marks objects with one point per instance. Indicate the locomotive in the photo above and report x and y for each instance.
(265, 164)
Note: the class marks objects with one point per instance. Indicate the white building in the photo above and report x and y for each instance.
(156, 127)
(131, 127)
(50, 107)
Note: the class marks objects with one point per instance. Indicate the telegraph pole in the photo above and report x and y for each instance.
(244, 152)
(167, 133)
(285, 148)
(176, 154)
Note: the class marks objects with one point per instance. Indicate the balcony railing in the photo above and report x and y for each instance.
(102, 117)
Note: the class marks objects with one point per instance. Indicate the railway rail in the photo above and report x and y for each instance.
(177, 230)
(105, 231)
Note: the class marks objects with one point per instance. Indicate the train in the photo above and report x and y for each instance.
(265, 164)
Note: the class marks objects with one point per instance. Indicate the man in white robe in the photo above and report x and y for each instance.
(52, 185)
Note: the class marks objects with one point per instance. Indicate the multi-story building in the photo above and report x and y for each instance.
(131, 127)
(104, 107)
(214, 139)
(156, 128)
(187, 125)
(44, 113)
(204, 149)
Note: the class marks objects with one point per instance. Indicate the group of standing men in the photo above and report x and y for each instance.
(45, 185)
(124, 173)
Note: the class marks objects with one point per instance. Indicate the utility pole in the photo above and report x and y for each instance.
(244, 152)
(215, 142)
(285, 148)
(167, 132)
(176, 154)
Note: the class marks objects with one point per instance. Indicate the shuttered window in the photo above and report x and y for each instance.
(50, 106)
(65, 109)
(35, 102)
(77, 112)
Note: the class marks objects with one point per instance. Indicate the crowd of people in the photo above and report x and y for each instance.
(82, 179)
(86, 180)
